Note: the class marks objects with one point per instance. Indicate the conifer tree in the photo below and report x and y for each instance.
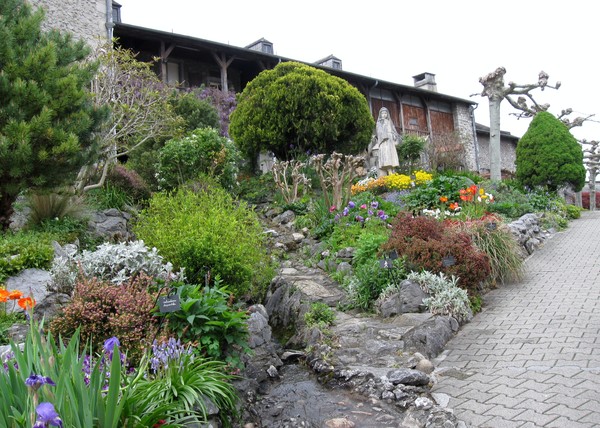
(46, 115)
(549, 155)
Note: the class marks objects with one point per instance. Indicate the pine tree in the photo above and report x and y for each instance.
(46, 115)
(549, 155)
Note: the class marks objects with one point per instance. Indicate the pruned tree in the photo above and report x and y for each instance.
(496, 91)
(591, 160)
(139, 110)
(295, 108)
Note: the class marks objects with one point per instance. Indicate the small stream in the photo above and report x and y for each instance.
(299, 400)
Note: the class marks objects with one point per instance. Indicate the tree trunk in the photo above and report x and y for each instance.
(495, 166)
(6, 210)
(593, 173)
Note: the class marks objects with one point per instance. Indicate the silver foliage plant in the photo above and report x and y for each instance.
(445, 296)
(116, 263)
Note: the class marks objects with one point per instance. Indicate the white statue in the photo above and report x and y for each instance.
(382, 149)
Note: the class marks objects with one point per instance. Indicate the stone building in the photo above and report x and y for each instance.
(446, 122)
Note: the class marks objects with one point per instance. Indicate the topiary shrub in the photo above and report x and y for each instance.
(100, 310)
(206, 230)
(549, 155)
(203, 152)
(435, 246)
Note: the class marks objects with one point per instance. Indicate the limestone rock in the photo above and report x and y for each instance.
(408, 377)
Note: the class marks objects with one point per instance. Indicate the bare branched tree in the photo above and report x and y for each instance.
(336, 175)
(496, 91)
(591, 160)
(139, 110)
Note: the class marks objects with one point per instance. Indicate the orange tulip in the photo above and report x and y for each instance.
(15, 295)
(443, 199)
(26, 303)
(4, 295)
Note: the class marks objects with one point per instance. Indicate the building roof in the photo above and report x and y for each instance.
(195, 43)
(504, 134)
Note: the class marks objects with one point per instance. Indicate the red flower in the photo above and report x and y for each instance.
(15, 295)
(160, 423)
(26, 303)
(4, 295)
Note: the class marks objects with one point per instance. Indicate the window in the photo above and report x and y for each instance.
(267, 48)
(172, 73)
(336, 64)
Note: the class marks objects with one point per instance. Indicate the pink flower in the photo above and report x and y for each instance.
(332, 208)
(363, 206)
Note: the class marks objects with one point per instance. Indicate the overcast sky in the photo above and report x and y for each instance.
(393, 40)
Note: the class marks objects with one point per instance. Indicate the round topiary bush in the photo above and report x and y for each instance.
(205, 230)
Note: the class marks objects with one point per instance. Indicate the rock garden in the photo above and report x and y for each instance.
(199, 258)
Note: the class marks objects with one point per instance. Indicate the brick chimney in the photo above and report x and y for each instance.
(425, 81)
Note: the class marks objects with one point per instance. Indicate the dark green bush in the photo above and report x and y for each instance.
(206, 230)
(549, 155)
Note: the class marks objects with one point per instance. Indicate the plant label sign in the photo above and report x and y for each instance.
(169, 303)
(386, 264)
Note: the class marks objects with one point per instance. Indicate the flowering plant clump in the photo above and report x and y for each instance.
(391, 182)
(362, 213)
(475, 201)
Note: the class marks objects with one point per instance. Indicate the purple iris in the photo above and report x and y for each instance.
(374, 205)
(345, 211)
(47, 416)
(351, 204)
(36, 381)
(109, 344)
(359, 218)
(109, 348)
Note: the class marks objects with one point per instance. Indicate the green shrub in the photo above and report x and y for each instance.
(203, 152)
(209, 318)
(428, 244)
(319, 315)
(205, 231)
(573, 212)
(24, 250)
(256, 189)
(100, 310)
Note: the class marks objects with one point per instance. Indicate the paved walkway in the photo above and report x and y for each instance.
(531, 358)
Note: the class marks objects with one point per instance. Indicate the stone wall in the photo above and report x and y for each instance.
(85, 19)
(464, 127)
(508, 153)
